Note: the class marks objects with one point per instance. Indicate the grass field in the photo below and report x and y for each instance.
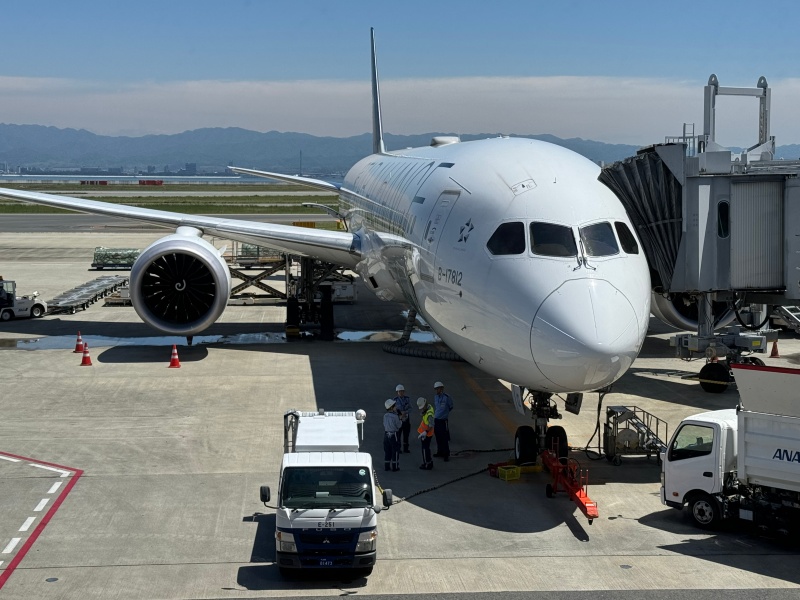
(189, 204)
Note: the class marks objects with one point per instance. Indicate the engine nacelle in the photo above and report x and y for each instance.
(680, 311)
(180, 284)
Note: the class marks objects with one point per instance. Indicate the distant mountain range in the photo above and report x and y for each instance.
(212, 149)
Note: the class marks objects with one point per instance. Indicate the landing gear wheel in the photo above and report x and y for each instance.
(714, 378)
(561, 447)
(526, 447)
(704, 511)
(549, 491)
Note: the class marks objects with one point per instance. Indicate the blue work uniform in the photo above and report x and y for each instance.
(403, 406)
(391, 441)
(442, 405)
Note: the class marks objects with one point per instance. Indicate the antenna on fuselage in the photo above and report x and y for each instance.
(377, 125)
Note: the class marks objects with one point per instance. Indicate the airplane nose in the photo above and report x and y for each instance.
(585, 335)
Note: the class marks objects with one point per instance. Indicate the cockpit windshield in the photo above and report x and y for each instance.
(599, 240)
(328, 487)
(549, 239)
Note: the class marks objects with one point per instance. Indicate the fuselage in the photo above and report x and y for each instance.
(519, 258)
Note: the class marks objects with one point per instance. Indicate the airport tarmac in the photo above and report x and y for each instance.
(158, 469)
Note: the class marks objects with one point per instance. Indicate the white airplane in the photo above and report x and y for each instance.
(514, 253)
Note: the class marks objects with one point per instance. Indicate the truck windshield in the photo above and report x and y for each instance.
(327, 487)
(692, 441)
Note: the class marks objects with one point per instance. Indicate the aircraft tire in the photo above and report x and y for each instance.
(526, 448)
(557, 433)
(714, 378)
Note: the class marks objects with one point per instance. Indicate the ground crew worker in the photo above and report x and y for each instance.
(403, 407)
(425, 431)
(442, 404)
(391, 439)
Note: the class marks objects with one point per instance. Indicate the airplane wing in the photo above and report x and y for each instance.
(337, 247)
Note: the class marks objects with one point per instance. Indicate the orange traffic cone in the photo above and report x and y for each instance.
(174, 363)
(87, 360)
(775, 353)
(78, 344)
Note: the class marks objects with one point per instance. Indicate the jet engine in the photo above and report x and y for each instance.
(680, 311)
(180, 284)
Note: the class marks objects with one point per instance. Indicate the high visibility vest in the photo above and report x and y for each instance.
(426, 425)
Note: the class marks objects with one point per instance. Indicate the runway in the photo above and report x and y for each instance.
(167, 463)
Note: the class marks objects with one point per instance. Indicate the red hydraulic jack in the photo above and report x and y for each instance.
(569, 477)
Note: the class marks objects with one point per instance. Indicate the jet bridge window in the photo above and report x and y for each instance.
(508, 238)
(692, 441)
(599, 240)
(549, 239)
(626, 238)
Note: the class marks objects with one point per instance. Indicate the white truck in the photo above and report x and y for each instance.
(16, 307)
(328, 498)
(741, 463)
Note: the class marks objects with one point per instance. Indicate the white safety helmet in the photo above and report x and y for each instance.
(389, 404)
(421, 402)
(399, 388)
(438, 384)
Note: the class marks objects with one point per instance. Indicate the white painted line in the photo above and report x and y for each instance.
(62, 471)
(28, 522)
(11, 545)
(41, 505)
(1, 563)
(56, 485)
(8, 458)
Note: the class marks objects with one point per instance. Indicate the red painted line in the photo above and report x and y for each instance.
(4, 575)
(765, 368)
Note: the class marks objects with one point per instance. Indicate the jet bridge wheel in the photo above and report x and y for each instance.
(715, 377)
(526, 447)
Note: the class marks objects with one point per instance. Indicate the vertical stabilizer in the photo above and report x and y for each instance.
(377, 124)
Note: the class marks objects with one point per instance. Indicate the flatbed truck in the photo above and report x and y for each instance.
(328, 495)
(741, 463)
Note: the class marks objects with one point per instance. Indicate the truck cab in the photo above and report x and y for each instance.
(694, 465)
(12, 306)
(328, 497)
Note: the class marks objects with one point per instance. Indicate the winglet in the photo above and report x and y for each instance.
(377, 125)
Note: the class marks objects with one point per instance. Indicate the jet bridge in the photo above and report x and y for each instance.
(720, 229)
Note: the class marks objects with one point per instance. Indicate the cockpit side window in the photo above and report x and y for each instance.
(626, 238)
(508, 238)
(599, 240)
(549, 239)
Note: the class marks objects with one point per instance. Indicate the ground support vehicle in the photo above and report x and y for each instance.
(327, 502)
(85, 295)
(114, 258)
(15, 307)
(741, 463)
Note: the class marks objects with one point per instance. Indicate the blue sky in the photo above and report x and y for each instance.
(628, 72)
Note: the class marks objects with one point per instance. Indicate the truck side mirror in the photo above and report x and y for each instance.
(387, 498)
(265, 493)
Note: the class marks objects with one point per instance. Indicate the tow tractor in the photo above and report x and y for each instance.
(13, 306)
(549, 444)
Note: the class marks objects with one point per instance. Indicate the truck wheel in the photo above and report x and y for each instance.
(525, 445)
(37, 311)
(6, 315)
(704, 511)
